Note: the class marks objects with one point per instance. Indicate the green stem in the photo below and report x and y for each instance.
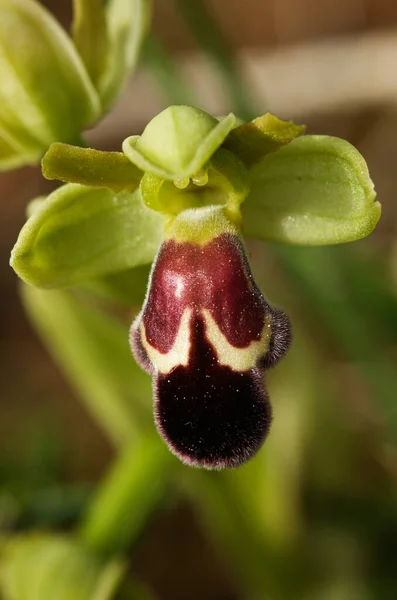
(127, 496)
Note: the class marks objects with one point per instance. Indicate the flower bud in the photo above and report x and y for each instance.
(206, 334)
(45, 92)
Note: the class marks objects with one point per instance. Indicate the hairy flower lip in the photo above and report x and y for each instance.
(206, 334)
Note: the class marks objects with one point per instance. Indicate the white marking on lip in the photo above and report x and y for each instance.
(179, 353)
(238, 359)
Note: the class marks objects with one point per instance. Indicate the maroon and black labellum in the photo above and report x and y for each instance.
(207, 334)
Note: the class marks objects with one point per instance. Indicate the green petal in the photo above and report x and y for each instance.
(80, 233)
(90, 167)
(45, 93)
(178, 142)
(252, 141)
(43, 567)
(314, 191)
(127, 22)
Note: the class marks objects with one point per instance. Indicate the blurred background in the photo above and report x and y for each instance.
(314, 516)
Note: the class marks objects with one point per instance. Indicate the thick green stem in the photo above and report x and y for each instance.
(128, 495)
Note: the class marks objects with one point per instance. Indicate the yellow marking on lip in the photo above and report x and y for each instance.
(238, 359)
(179, 353)
(201, 225)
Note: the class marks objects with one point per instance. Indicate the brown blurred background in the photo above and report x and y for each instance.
(299, 55)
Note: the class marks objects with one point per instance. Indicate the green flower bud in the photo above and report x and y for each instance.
(178, 142)
(109, 36)
(45, 93)
(44, 568)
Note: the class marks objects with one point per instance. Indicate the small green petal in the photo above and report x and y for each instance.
(80, 233)
(178, 142)
(252, 141)
(45, 92)
(86, 166)
(43, 567)
(127, 22)
(314, 191)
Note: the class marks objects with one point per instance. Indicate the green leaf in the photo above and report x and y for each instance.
(80, 233)
(92, 350)
(124, 287)
(178, 142)
(90, 35)
(127, 22)
(127, 497)
(252, 141)
(90, 167)
(45, 93)
(314, 191)
(318, 277)
(43, 567)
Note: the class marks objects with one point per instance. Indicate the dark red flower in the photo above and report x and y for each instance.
(206, 334)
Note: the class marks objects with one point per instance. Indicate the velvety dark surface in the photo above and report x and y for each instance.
(209, 414)
(215, 276)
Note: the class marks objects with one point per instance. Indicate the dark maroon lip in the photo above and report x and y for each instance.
(212, 414)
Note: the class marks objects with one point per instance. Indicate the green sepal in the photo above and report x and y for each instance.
(252, 141)
(226, 184)
(45, 567)
(178, 142)
(90, 167)
(45, 93)
(314, 191)
(80, 233)
(127, 22)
